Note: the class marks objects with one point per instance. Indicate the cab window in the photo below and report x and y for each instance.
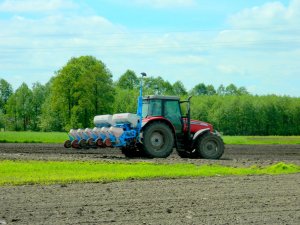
(152, 108)
(172, 113)
(172, 109)
(155, 108)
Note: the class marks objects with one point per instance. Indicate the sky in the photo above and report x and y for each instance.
(255, 44)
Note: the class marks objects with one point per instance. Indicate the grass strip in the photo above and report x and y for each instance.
(261, 140)
(32, 137)
(53, 172)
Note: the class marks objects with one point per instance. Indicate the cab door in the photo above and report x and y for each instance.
(172, 112)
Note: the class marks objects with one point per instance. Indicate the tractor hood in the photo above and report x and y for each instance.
(197, 125)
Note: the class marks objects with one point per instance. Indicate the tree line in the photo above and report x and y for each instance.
(84, 88)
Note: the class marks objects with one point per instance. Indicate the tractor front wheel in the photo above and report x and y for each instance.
(158, 140)
(210, 146)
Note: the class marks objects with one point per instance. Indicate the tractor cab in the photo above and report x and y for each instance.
(164, 106)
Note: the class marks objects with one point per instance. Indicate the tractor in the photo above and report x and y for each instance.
(156, 129)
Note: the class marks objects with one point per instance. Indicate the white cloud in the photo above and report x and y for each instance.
(184, 60)
(166, 3)
(35, 5)
(272, 26)
(37, 46)
(257, 17)
(270, 15)
(260, 48)
(229, 69)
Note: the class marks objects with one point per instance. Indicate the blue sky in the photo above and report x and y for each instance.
(254, 43)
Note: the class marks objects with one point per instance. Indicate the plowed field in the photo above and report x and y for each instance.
(214, 200)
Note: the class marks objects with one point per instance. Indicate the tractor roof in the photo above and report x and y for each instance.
(162, 97)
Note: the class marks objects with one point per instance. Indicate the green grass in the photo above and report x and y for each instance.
(260, 140)
(32, 137)
(53, 172)
(60, 137)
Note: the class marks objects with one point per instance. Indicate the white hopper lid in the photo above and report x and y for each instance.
(103, 120)
(126, 118)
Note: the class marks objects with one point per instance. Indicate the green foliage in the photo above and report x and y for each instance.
(231, 89)
(80, 90)
(19, 108)
(125, 100)
(157, 86)
(210, 90)
(39, 93)
(199, 89)
(179, 89)
(261, 140)
(5, 92)
(128, 80)
(84, 88)
(52, 172)
(2, 119)
(249, 115)
(49, 118)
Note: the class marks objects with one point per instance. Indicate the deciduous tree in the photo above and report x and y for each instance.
(5, 92)
(82, 89)
(128, 80)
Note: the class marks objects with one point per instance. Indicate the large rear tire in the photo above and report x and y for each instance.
(210, 146)
(158, 140)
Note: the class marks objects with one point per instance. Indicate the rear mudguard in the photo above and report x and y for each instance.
(147, 121)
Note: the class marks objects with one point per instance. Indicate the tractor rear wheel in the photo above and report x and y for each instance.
(158, 140)
(210, 146)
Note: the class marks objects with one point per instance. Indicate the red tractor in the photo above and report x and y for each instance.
(164, 127)
(154, 131)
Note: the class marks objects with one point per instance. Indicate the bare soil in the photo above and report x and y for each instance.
(234, 155)
(213, 200)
